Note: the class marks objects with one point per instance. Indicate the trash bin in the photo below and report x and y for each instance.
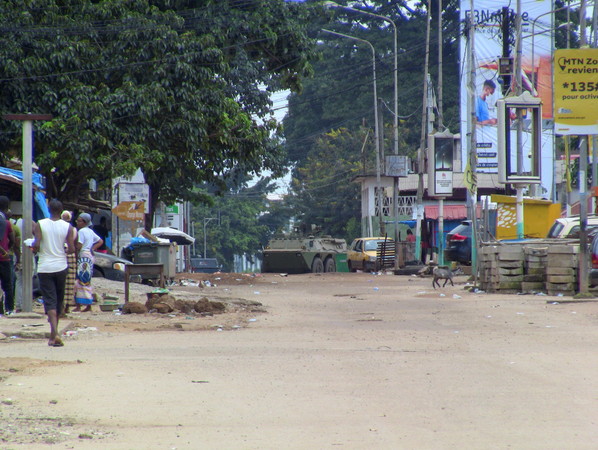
(155, 253)
(341, 262)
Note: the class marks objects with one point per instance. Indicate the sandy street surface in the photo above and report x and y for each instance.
(352, 361)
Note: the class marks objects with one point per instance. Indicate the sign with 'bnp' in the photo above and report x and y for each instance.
(576, 91)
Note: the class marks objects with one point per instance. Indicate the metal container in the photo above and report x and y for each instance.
(155, 253)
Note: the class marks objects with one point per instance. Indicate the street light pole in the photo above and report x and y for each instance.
(377, 137)
(533, 33)
(330, 4)
(395, 194)
(206, 220)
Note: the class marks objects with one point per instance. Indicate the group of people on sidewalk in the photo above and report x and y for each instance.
(64, 262)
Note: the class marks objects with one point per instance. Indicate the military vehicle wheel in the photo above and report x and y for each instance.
(317, 266)
(329, 265)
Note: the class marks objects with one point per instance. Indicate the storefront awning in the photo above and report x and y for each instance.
(450, 212)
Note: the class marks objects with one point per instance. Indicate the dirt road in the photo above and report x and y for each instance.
(348, 361)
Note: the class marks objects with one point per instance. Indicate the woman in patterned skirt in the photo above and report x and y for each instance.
(71, 275)
(86, 243)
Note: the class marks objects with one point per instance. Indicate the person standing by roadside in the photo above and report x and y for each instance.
(410, 236)
(50, 237)
(87, 243)
(7, 244)
(71, 274)
(17, 269)
(102, 231)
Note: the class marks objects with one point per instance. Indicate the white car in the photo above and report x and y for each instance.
(568, 227)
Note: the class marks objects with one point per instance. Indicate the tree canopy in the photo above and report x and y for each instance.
(337, 104)
(238, 223)
(340, 93)
(180, 89)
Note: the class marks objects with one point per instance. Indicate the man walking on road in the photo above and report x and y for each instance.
(50, 236)
(7, 244)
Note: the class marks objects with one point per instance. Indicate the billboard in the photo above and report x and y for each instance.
(536, 79)
(576, 91)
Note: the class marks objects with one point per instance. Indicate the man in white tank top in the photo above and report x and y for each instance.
(50, 236)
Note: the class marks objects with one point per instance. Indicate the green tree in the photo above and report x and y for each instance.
(241, 222)
(324, 190)
(340, 97)
(181, 93)
(340, 93)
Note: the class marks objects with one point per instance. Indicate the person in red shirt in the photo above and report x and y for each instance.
(7, 243)
(410, 236)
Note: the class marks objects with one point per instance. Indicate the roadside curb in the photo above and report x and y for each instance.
(27, 326)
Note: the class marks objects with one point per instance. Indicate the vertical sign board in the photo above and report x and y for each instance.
(131, 189)
(175, 217)
(396, 166)
(576, 91)
(440, 164)
(488, 18)
(519, 115)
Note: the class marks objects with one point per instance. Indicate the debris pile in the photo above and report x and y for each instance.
(166, 303)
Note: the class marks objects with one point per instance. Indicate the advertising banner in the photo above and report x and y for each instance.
(576, 91)
(489, 86)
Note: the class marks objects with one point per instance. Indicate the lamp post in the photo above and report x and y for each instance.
(533, 34)
(330, 4)
(206, 220)
(395, 208)
(377, 137)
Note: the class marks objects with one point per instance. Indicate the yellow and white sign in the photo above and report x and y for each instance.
(576, 91)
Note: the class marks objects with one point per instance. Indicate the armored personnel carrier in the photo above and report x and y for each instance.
(296, 254)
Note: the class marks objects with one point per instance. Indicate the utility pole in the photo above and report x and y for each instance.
(518, 90)
(440, 99)
(422, 144)
(440, 129)
(594, 41)
(583, 168)
(472, 162)
(379, 159)
(506, 50)
(206, 220)
(27, 201)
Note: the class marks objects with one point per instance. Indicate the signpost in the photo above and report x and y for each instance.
(441, 154)
(130, 210)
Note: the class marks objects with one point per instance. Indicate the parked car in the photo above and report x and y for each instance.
(362, 253)
(568, 227)
(593, 275)
(458, 243)
(109, 266)
(205, 265)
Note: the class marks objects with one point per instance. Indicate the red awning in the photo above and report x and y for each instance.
(451, 212)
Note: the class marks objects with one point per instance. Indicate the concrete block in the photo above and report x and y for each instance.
(561, 279)
(510, 271)
(552, 270)
(534, 278)
(561, 287)
(536, 286)
(563, 249)
(555, 260)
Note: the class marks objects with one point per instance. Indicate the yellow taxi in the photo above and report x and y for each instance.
(362, 253)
